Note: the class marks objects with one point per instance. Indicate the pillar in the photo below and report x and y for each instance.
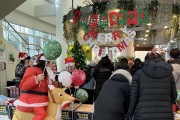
(62, 7)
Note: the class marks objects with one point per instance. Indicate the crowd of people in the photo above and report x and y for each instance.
(145, 90)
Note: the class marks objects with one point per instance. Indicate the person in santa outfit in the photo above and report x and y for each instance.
(34, 90)
(70, 67)
(70, 64)
(21, 67)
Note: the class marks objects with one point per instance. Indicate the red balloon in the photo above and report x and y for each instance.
(78, 77)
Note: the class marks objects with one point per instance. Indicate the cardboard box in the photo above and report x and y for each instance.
(68, 112)
(84, 112)
(3, 110)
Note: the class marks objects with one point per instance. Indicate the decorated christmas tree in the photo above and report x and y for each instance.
(78, 54)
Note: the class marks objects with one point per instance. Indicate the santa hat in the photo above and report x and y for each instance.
(41, 57)
(24, 56)
(69, 61)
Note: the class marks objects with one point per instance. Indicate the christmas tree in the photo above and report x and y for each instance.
(78, 54)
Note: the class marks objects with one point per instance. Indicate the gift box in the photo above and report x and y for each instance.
(68, 112)
(84, 112)
(3, 110)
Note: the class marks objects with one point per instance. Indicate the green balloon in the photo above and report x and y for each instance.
(178, 97)
(52, 50)
(82, 95)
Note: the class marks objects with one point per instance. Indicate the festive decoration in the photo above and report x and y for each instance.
(56, 98)
(132, 18)
(153, 10)
(77, 15)
(52, 50)
(82, 95)
(176, 9)
(78, 77)
(93, 21)
(2, 44)
(113, 17)
(78, 54)
(126, 4)
(66, 78)
(93, 24)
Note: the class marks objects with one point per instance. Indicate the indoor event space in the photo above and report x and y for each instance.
(90, 60)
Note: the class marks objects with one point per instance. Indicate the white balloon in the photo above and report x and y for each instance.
(66, 78)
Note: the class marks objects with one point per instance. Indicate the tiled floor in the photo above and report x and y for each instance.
(4, 117)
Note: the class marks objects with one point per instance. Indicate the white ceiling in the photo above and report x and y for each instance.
(29, 8)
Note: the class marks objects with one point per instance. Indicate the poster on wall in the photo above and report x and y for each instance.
(2, 57)
(1, 44)
(11, 58)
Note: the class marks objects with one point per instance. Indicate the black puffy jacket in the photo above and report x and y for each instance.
(101, 74)
(152, 92)
(113, 100)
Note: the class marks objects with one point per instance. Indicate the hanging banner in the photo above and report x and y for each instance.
(2, 44)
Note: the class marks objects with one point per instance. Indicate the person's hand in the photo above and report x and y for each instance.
(40, 77)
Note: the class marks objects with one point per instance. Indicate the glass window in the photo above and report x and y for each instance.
(36, 33)
(22, 29)
(53, 37)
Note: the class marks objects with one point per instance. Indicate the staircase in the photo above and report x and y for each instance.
(20, 43)
(7, 6)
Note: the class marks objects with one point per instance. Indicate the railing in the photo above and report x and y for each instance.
(18, 40)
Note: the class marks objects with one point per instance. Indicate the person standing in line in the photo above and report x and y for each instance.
(175, 62)
(153, 90)
(137, 65)
(21, 67)
(102, 72)
(113, 100)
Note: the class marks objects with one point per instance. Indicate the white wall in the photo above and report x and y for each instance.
(9, 73)
(30, 21)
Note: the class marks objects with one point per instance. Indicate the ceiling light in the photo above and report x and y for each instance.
(116, 10)
(145, 39)
(149, 24)
(174, 16)
(146, 35)
(172, 41)
(147, 31)
(137, 45)
(165, 27)
(71, 20)
(144, 43)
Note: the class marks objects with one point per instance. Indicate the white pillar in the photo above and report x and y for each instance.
(62, 7)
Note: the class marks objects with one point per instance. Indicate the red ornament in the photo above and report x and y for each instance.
(116, 34)
(84, 18)
(103, 18)
(142, 15)
(113, 17)
(78, 77)
(91, 34)
(86, 36)
(122, 16)
(134, 20)
(93, 20)
(121, 46)
(100, 52)
(76, 16)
